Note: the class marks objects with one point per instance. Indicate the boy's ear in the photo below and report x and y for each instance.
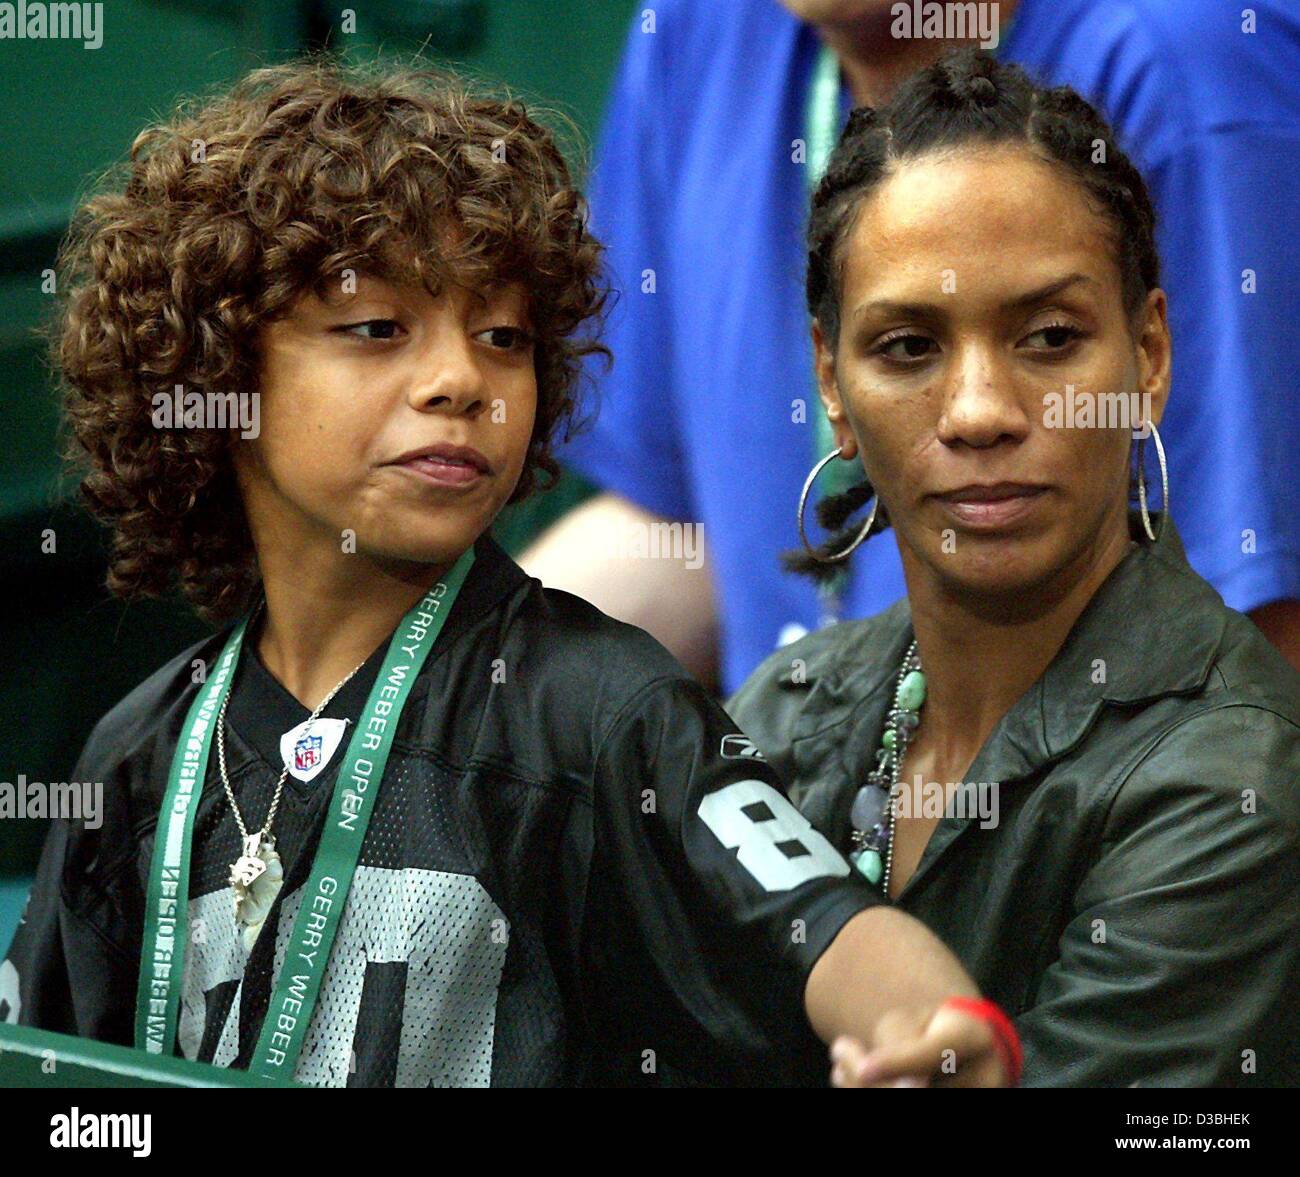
(829, 393)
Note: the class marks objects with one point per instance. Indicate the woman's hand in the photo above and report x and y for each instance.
(931, 1047)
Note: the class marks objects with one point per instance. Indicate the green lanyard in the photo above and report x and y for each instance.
(162, 966)
(822, 125)
(158, 999)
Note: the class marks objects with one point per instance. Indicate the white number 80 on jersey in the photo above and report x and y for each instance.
(774, 841)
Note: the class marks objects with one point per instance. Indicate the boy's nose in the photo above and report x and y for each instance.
(448, 378)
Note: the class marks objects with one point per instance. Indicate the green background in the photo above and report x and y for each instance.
(66, 114)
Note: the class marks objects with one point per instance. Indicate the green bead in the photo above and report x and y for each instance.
(868, 862)
(911, 691)
(888, 740)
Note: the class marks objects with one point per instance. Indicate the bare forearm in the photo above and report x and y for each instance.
(589, 553)
(882, 960)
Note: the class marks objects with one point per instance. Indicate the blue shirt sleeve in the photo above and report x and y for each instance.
(1230, 245)
(631, 445)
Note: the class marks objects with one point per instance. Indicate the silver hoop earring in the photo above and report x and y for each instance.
(1153, 536)
(803, 502)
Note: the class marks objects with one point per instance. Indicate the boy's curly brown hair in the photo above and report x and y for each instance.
(238, 205)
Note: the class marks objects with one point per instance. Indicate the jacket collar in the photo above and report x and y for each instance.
(1154, 624)
(1154, 621)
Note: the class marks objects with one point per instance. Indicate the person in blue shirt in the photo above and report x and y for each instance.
(708, 418)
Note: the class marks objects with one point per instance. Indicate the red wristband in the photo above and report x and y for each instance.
(1005, 1037)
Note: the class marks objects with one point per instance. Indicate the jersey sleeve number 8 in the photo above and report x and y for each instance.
(773, 840)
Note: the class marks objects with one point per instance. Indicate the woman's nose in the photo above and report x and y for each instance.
(980, 404)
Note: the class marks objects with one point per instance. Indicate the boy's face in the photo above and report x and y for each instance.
(401, 417)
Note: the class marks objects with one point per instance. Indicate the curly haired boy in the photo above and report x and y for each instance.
(458, 828)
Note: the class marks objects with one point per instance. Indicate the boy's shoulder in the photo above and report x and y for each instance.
(590, 662)
(571, 655)
(573, 629)
(833, 659)
(151, 707)
(569, 638)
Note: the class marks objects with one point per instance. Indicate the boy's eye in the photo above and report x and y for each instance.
(1054, 336)
(383, 328)
(905, 347)
(506, 338)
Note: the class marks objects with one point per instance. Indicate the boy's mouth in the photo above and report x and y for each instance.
(447, 465)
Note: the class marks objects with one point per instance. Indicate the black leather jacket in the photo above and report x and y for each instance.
(1136, 907)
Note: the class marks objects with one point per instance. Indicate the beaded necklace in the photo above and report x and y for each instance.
(873, 816)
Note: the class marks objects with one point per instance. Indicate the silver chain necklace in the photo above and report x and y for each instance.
(257, 874)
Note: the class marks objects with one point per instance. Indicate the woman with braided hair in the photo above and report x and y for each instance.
(1061, 750)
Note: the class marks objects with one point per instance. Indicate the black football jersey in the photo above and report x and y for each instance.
(577, 869)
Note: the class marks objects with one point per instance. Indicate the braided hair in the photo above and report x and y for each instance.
(966, 97)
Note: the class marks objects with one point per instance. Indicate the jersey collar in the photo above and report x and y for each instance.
(262, 709)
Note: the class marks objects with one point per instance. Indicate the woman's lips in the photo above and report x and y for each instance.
(443, 471)
(991, 508)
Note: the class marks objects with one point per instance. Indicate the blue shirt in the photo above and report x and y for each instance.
(706, 415)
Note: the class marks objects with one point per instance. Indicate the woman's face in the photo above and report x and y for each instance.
(981, 308)
(402, 418)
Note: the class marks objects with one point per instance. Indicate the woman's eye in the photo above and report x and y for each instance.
(903, 348)
(507, 338)
(1056, 336)
(382, 328)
